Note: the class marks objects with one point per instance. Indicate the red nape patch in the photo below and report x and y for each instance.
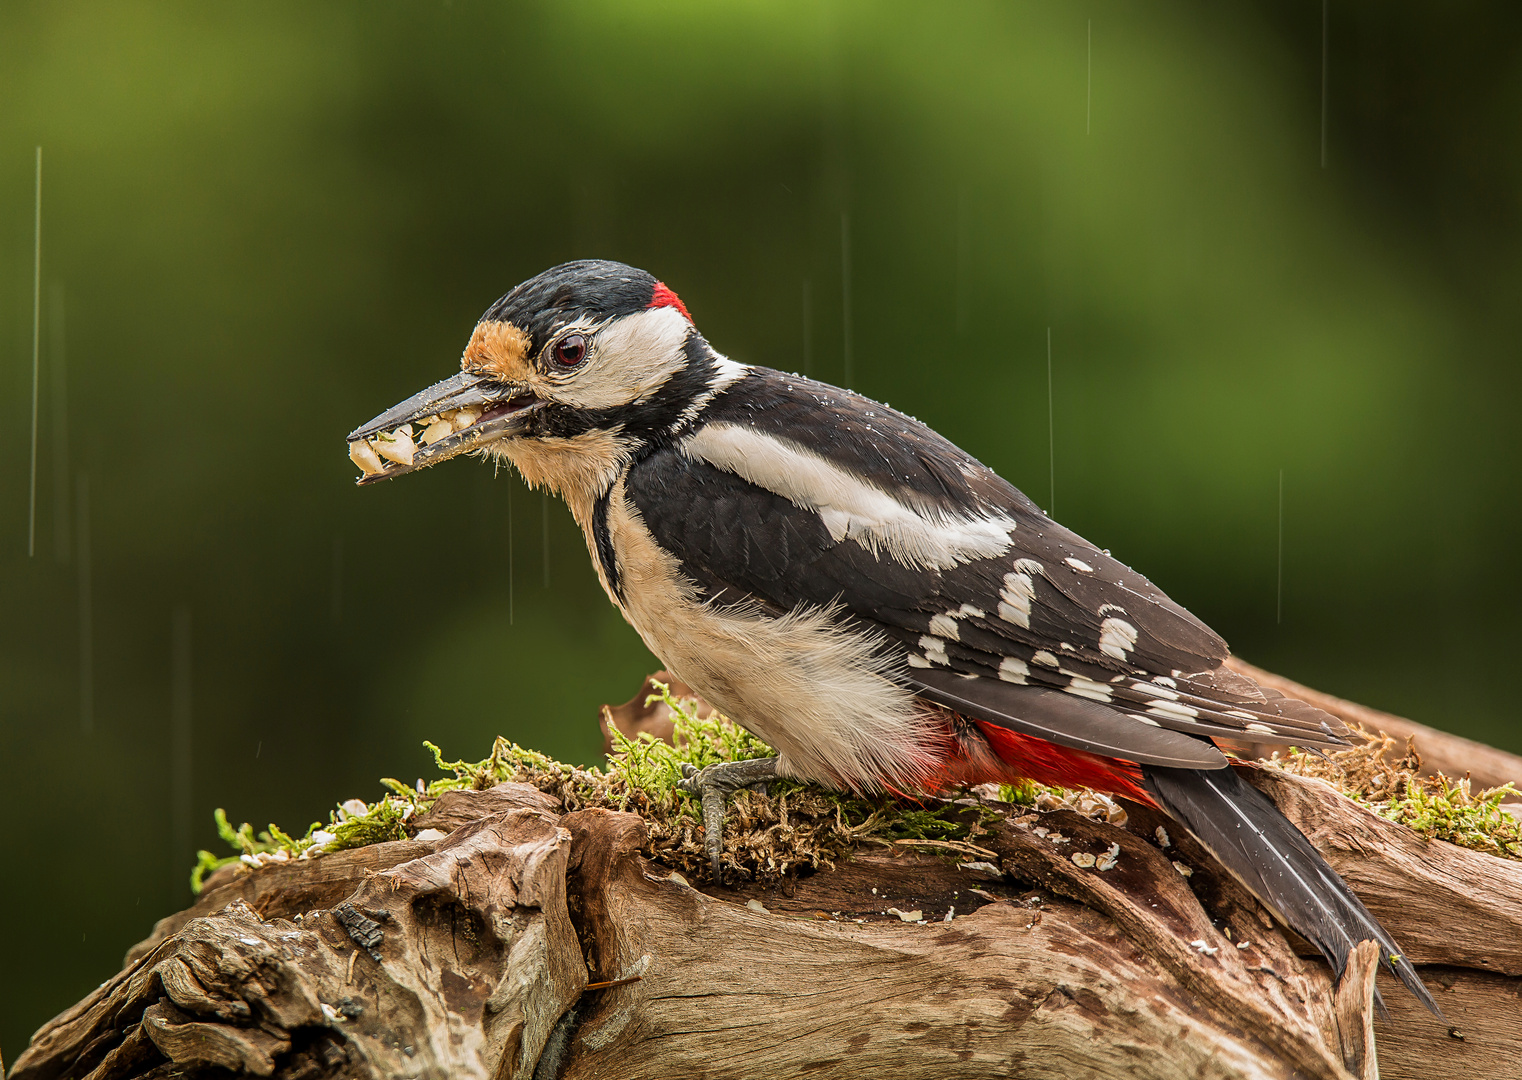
(1046, 763)
(664, 297)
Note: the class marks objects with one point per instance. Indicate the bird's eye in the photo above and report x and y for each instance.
(570, 350)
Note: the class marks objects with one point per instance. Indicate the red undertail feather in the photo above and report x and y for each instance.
(1028, 758)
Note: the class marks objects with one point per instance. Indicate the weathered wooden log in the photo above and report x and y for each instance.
(529, 942)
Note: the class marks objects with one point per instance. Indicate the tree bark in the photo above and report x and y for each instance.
(533, 943)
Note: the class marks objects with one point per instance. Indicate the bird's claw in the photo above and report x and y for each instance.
(713, 785)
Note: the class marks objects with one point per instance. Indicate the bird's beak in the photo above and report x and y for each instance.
(456, 416)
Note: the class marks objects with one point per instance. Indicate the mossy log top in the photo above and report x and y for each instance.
(528, 927)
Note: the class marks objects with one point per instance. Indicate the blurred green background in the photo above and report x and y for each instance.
(264, 223)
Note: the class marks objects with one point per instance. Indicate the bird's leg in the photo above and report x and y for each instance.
(714, 784)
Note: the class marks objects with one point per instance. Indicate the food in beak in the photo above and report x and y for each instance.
(449, 422)
(398, 445)
(363, 455)
(435, 431)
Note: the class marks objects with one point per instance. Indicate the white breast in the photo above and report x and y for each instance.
(814, 692)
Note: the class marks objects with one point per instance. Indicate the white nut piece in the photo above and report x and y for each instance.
(363, 455)
(435, 431)
(397, 446)
(465, 416)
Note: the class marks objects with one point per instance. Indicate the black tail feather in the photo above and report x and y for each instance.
(1245, 831)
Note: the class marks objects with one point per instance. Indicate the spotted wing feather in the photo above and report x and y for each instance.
(1050, 611)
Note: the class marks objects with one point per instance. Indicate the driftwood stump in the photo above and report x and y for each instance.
(532, 943)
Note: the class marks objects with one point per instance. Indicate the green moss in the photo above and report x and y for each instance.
(790, 827)
(1022, 794)
(1388, 780)
(795, 826)
(272, 842)
(383, 820)
(1446, 810)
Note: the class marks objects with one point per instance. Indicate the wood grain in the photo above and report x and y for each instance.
(530, 943)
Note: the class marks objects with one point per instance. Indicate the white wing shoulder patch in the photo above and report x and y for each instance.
(849, 507)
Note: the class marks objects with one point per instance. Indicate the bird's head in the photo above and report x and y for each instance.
(564, 374)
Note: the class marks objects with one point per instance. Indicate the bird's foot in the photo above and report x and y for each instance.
(714, 784)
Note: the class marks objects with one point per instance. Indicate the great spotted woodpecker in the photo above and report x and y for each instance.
(877, 605)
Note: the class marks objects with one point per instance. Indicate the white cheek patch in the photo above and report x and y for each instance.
(631, 358)
(850, 507)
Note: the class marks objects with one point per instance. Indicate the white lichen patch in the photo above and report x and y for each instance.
(981, 867)
(1091, 804)
(352, 808)
(1083, 859)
